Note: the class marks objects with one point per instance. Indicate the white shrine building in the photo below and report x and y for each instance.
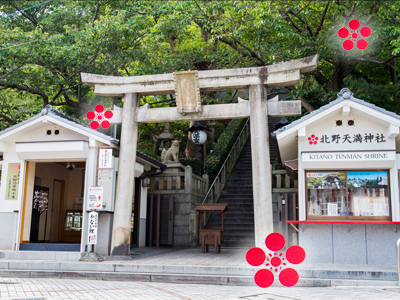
(49, 161)
(347, 158)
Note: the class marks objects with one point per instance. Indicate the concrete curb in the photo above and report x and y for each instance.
(186, 278)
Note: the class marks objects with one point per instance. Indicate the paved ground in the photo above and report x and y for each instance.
(20, 288)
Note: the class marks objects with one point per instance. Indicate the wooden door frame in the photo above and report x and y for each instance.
(60, 214)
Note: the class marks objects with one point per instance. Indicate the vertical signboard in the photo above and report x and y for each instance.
(93, 225)
(95, 197)
(105, 158)
(12, 181)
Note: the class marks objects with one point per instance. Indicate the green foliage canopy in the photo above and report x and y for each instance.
(46, 45)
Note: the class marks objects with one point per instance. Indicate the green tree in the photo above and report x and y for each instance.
(46, 45)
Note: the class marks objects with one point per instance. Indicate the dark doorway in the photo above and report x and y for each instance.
(160, 220)
(39, 211)
(136, 215)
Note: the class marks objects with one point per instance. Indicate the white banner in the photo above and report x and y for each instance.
(93, 225)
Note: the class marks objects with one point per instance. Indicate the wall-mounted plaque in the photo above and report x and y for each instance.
(187, 92)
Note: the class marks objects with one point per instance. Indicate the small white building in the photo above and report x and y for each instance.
(49, 163)
(347, 155)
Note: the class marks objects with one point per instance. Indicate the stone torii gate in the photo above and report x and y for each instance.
(186, 86)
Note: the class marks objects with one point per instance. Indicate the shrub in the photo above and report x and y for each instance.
(195, 163)
(214, 161)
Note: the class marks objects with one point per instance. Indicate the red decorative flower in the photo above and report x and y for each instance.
(99, 117)
(275, 242)
(354, 35)
(313, 139)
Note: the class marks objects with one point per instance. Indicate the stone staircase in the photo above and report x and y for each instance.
(238, 193)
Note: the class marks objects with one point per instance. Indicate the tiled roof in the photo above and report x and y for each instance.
(50, 111)
(342, 95)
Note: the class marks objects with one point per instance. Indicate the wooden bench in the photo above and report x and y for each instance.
(211, 236)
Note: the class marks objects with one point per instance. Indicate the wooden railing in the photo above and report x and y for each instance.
(219, 182)
(182, 182)
(282, 183)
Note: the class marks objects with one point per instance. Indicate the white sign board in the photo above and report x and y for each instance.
(95, 199)
(348, 156)
(105, 158)
(93, 225)
(104, 174)
(332, 209)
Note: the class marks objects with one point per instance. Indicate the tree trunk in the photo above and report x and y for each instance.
(338, 76)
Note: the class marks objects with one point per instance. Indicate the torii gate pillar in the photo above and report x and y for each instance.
(126, 177)
(258, 108)
(263, 220)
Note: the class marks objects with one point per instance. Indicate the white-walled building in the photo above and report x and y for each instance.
(49, 163)
(347, 155)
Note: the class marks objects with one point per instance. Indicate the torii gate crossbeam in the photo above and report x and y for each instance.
(257, 108)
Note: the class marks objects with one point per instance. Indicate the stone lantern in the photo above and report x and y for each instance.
(166, 137)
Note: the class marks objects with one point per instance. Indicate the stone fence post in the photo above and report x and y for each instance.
(193, 229)
(188, 179)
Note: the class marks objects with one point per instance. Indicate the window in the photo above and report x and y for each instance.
(347, 195)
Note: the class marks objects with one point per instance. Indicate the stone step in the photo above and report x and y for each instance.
(235, 216)
(234, 184)
(228, 223)
(239, 192)
(239, 176)
(242, 210)
(247, 192)
(236, 199)
(245, 223)
(228, 229)
(72, 268)
(232, 221)
(238, 244)
(236, 206)
(205, 277)
(39, 255)
(240, 235)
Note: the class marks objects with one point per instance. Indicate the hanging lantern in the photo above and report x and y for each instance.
(146, 182)
(199, 137)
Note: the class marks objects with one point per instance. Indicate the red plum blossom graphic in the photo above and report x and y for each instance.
(354, 35)
(99, 117)
(313, 140)
(275, 262)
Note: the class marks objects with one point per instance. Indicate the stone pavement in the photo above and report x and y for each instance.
(48, 289)
(188, 266)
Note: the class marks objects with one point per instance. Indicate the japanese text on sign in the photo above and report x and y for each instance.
(93, 225)
(95, 198)
(12, 181)
(355, 138)
(105, 159)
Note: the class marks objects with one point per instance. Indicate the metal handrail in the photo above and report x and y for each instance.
(233, 147)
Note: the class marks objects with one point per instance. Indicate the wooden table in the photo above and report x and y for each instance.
(211, 236)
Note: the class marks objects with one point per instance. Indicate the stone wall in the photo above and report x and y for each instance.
(185, 229)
